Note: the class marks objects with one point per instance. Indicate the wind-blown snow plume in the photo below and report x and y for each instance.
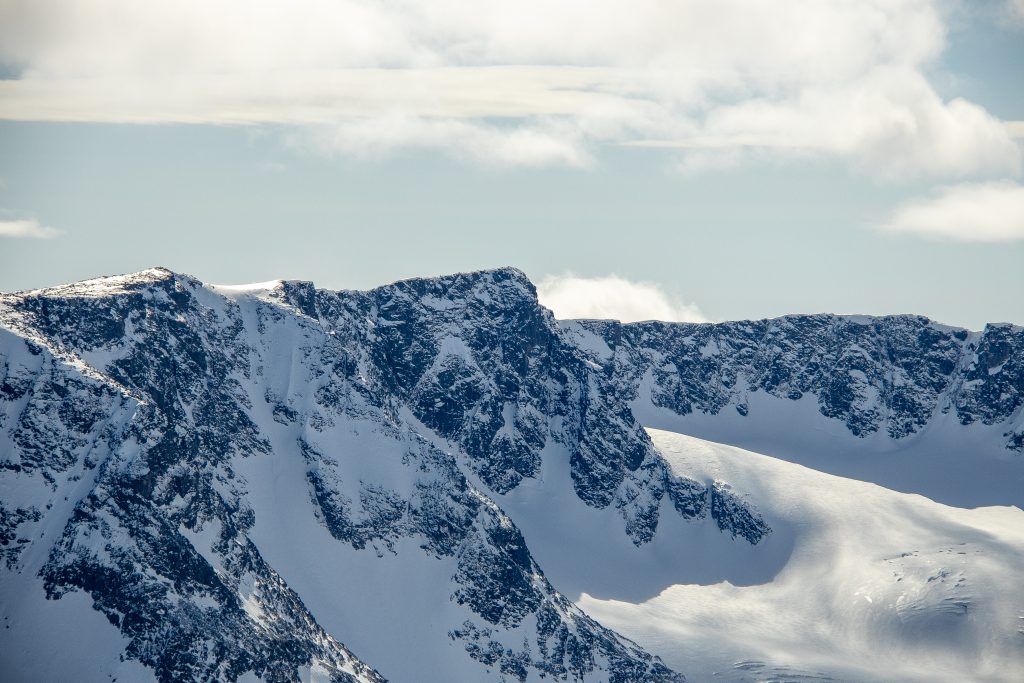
(613, 298)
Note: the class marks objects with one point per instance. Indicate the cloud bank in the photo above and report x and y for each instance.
(525, 83)
(612, 297)
(28, 228)
(970, 212)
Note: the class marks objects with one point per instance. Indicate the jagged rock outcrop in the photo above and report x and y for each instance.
(479, 362)
(891, 374)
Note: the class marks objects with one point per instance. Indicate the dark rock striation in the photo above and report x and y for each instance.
(891, 374)
(128, 404)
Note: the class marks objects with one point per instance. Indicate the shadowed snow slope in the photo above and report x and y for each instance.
(880, 585)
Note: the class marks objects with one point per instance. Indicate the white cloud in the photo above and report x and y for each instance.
(971, 212)
(487, 81)
(27, 228)
(540, 144)
(1016, 10)
(1015, 128)
(613, 297)
(890, 122)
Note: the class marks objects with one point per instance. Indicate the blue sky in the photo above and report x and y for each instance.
(721, 160)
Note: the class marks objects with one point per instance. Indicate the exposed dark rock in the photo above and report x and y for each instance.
(893, 374)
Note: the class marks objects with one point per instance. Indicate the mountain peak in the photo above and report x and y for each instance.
(108, 284)
(507, 288)
(489, 276)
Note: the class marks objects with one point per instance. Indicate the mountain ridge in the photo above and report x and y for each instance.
(205, 383)
(397, 418)
(157, 273)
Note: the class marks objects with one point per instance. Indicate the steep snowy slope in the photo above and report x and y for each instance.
(879, 585)
(897, 400)
(243, 479)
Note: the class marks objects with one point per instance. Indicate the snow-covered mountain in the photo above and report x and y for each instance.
(426, 481)
(892, 374)
(898, 400)
(869, 584)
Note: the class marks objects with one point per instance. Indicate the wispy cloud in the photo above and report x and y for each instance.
(971, 212)
(27, 228)
(702, 78)
(542, 143)
(1016, 11)
(612, 297)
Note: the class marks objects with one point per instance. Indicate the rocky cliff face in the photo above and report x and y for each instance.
(132, 410)
(892, 374)
(480, 363)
